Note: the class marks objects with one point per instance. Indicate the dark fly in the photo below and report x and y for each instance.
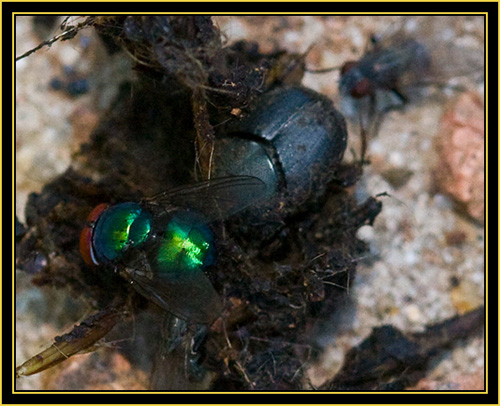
(402, 65)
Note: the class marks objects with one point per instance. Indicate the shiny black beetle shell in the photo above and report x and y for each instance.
(293, 140)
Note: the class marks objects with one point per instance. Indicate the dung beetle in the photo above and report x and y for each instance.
(293, 139)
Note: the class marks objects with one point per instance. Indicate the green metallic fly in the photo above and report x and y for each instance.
(163, 244)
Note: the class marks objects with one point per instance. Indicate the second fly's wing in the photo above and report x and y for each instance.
(450, 57)
(215, 199)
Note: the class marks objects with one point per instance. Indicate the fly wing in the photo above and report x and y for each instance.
(187, 295)
(215, 199)
(449, 57)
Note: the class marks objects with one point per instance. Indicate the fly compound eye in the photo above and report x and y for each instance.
(361, 89)
(346, 67)
(86, 248)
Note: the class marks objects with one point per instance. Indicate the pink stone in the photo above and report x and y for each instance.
(460, 145)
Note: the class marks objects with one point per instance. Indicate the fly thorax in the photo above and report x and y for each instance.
(186, 245)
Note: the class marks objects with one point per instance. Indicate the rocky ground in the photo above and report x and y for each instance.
(426, 259)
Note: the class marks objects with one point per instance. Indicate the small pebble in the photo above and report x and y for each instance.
(413, 313)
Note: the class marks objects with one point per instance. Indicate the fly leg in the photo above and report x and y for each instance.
(379, 116)
(402, 98)
(364, 142)
(195, 371)
(176, 364)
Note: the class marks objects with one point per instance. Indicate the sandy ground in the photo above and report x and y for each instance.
(417, 271)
